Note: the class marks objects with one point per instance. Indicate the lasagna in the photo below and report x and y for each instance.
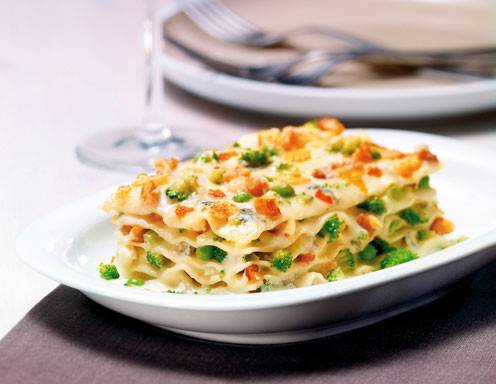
(280, 208)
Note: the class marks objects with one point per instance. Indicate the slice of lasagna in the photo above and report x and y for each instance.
(280, 208)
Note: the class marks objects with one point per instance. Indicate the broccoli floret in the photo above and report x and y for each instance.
(368, 254)
(155, 259)
(108, 271)
(335, 274)
(258, 157)
(209, 252)
(332, 227)
(424, 182)
(181, 189)
(412, 217)
(373, 205)
(346, 260)
(382, 246)
(282, 260)
(397, 256)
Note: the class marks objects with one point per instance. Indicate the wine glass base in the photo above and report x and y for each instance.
(123, 150)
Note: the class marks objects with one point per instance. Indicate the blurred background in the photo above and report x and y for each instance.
(73, 71)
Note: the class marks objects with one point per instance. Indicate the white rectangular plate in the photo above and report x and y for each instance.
(68, 244)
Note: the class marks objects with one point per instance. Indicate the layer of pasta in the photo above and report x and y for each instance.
(280, 208)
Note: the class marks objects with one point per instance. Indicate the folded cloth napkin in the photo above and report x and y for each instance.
(67, 338)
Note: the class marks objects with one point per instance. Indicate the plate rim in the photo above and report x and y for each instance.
(25, 247)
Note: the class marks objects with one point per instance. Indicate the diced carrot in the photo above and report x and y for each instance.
(221, 211)
(305, 257)
(291, 139)
(425, 154)
(267, 206)
(364, 154)
(216, 193)
(257, 186)
(318, 174)
(137, 233)
(326, 198)
(374, 171)
(252, 273)
(226, 155)
(125, 229)
(331, 125)
(182, 210)
(368, 222)
(442, 226)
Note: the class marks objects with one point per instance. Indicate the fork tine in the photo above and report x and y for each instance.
(216, 19)
(204, 22)
(229, 16)
(222, 20)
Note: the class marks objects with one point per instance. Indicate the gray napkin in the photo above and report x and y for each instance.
(67, 338)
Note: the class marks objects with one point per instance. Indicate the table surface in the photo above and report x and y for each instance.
(70, 69)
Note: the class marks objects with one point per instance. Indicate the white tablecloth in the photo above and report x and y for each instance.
(69, 69)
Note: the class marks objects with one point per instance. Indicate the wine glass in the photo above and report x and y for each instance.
(131, 149)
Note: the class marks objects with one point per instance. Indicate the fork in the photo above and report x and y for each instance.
(214, 18)
(281, 71)
(267, 72)
(217, 20)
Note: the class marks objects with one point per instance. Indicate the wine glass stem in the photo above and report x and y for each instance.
(152, 131)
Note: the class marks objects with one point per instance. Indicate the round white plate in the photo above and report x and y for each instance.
(68, 244)
(380, 101)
